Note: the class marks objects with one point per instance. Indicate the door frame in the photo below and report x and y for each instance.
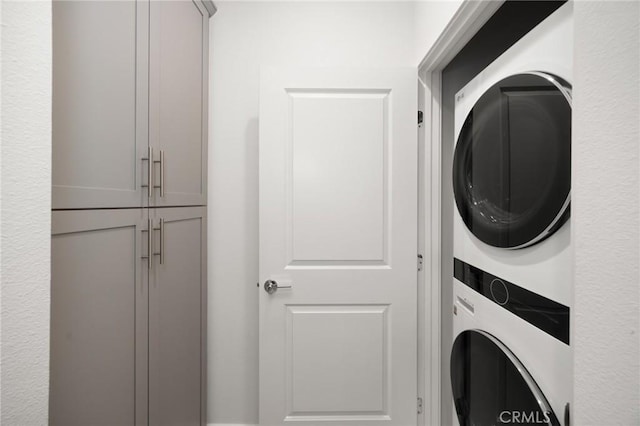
(468, 19)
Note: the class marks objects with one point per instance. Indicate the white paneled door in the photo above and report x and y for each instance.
(338, 237)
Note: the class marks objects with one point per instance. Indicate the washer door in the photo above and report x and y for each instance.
(512, 162)
(491, 387)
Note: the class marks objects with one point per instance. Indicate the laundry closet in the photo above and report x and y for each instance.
(128, 296)
(348, 282)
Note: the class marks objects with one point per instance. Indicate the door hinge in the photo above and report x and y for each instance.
(420, 405)
(420, 262)
(420, 118)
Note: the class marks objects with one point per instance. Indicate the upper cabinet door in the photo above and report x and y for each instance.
(178, 102)
(100, 103)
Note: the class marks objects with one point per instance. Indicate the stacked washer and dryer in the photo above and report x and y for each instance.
(511, 360)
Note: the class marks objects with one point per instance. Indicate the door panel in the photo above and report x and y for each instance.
(98, 318)
(338, 170)
(338, 224)
(178, 113)
(177, 316)
(333, 373)
(100, 71)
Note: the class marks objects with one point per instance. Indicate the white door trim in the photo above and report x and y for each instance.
(468, 19)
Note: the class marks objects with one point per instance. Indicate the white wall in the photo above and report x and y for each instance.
(605, 212)
(431, 17)
(25, 211)
(245, 36)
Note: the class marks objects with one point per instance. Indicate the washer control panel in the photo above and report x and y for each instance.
(546, 314)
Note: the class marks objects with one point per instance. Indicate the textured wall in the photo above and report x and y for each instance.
(26, 204)
(605, 213)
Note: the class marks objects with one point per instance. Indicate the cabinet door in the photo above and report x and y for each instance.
(100, 103)
(178, 101)
(177, 317)
(99, 309)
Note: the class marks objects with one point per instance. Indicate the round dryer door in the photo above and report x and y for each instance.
(491, 387)
(512, 161)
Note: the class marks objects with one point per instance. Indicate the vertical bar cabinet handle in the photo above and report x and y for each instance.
(149, 232)
(161, 177)
(161, 241)
(150, 161)
(150, 176)
(161, 161)
(161, 251)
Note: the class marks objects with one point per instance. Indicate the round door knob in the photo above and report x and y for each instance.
(270, 286)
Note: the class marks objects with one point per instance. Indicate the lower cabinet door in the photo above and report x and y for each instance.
(99, 301)
(177, 315)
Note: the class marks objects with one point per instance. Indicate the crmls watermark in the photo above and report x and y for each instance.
(524, 417)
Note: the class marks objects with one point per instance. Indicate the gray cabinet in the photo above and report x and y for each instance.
(178, 101)
(100, 107)
(177, 318)
(130, 81)
(99, 300)
(128, 312)
(128, 333)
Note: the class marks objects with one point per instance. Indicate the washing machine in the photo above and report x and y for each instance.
(510, 359)
(512, 283)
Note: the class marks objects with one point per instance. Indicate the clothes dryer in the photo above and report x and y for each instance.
(512, 162)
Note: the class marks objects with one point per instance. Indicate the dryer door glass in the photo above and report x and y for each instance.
(512, 162)
(491, 387)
